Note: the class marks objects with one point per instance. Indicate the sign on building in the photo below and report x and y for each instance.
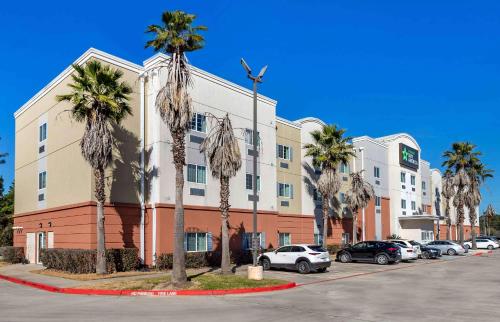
(408, 157)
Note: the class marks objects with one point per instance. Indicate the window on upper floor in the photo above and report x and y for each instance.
(285, 190)
(403, 177)
(249, 182)
(197, 173)
(412, 180)
(342, 197)
(249, 137)
(42, 135)
(378, 201)
(424, 186)
(376, 172)
(403, 203)
(284, 152)
(199, 123)
(413, 205)
(344, 168)
(42, 180)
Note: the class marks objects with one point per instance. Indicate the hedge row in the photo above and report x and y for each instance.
(82, 261)
(204, 259)
(12, 254)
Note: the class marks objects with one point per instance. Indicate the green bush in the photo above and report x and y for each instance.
(12, 254)
(82, 261)
(333, 249)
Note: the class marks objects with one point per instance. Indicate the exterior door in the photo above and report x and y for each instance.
(31, 247)
(40, 245)
(378, 225)
(50, 239)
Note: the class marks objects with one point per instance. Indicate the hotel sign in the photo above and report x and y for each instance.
(408, 157)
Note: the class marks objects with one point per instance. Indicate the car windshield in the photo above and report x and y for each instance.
(317, 248)
(414, 243)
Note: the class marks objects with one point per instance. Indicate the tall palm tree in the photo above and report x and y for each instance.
(99, 98)
(223, 154)
(330, 148)
(176, 36)
(357, 197)
(490, 214)
(472, 200)
(447, 191)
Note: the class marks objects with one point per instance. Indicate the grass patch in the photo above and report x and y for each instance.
(207, 281)
(89, 277)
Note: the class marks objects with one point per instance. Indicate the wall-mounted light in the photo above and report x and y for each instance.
(40, 225)
(50, 223)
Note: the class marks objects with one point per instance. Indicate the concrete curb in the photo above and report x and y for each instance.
(54, 289)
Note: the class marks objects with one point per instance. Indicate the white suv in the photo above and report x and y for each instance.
(302, 258)
(482, 243)
(408, 251)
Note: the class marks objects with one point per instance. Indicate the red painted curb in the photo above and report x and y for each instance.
(54, 289)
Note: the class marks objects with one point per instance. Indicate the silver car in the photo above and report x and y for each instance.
(447, 247)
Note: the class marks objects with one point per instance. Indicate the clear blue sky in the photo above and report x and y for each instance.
(430, 68)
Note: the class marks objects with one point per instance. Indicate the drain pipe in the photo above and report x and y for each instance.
(143, 170)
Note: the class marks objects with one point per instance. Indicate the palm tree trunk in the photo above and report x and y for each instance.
(179, 276)
(100, 195)
(460, 223)
(472, 217)
(354, 227)
(325, 220)
(448, 221)
(225, 264)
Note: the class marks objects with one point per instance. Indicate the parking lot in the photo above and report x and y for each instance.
(459, 288)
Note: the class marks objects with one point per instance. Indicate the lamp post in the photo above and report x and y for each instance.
(255, 137)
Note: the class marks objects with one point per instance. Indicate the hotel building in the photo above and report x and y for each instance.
(55, 204)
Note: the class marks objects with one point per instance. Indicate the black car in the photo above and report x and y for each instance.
(371, 251)
(427, 251)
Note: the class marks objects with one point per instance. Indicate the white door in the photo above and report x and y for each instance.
(378, 224)
(282, 255)
(30, 247)
(50, 239)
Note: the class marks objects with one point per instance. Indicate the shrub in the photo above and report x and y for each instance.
(82, 261)
(12, 254)
(332, 249)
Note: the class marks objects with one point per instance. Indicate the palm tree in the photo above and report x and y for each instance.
(490, 214)
(176, 36)
(357, 197)
(2, 157)
(448, 191)
(223, 154)
(330, 148)
(99, 98)
(472, 200)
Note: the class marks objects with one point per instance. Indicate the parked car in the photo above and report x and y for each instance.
(380, 252)
(482, 243)
(302, 258)
(408, 251)
(426, 252)
(493, 238)
(447, 247)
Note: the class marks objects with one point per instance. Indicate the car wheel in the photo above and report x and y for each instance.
(266, 264)
(303, 267)
(467, 247)
(382, 259)
(321, 270)
(345, 258)
(451, 252)
(490, 247)
(425, 255)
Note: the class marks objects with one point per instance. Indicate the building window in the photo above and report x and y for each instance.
(197, 173)
(427, 235)
(196, 242)
(378, 201)
(424, 185)
(412, 179)
(413, 205)
(376, 172)
(285, 239)
(285, 190)
(247, 240)
(43, 132)
(249, 182)
(199, 123)
(403, 177)
(42, 180)
(346, 238)
(344, 168)
(403, 204)
(284, 152)
(249, 137)
(318, 239)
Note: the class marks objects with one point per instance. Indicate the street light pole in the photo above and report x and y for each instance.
(255, 138)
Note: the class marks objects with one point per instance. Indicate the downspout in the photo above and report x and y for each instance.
(143, 170)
